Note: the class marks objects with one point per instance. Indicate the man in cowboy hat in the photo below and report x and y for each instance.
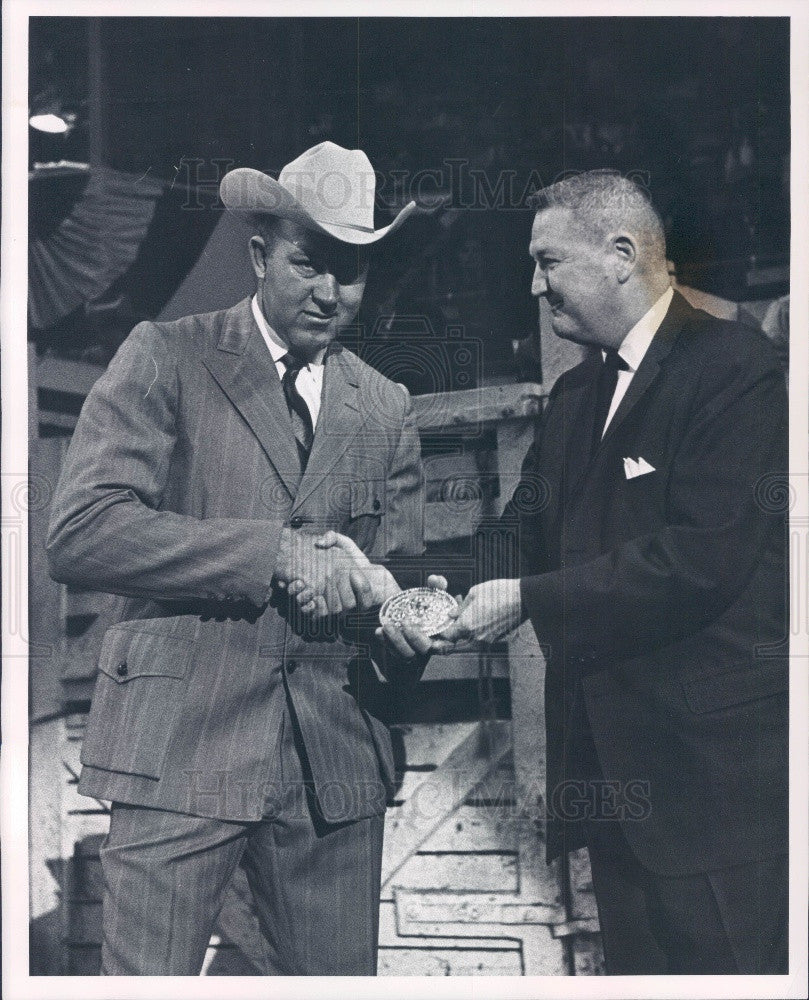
(227, 728)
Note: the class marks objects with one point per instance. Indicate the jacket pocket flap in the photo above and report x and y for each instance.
(129, 652)
(709, 692)
(367, 497)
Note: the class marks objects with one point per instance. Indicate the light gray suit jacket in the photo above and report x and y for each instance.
(179, 478)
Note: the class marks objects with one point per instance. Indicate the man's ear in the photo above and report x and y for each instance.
(626, 255)
(258, 256)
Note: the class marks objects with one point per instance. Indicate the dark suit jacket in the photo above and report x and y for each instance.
(180, 476)
(663, 598)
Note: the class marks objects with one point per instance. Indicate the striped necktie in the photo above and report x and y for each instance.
(298, 410)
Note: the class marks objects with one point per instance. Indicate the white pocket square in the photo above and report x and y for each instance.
(637, 467)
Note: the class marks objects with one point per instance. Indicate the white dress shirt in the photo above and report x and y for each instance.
(309, 382)
(635, 345)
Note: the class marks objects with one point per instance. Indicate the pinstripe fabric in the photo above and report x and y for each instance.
(180, 476)
(316, 886)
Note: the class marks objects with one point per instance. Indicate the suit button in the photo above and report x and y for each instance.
(291, 665)
(122, 670)
(296, 522)
(377, 503)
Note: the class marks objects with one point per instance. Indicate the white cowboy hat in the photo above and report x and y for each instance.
(327, 188)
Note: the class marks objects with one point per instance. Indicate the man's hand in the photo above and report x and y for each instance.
(405, 643)
(490, 611)
(367, 583)
(325, 579)
(408, 642)
(379, 584)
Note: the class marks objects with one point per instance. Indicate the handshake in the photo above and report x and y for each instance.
(329, 574)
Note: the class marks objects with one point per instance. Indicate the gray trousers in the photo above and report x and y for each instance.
(315, 885)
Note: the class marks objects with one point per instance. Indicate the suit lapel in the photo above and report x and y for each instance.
(647, 372)
(580, 464)
(244, 369)
(578, 418)
(338, 422)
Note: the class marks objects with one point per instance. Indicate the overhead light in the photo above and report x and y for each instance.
(54, 124)
(48, 114)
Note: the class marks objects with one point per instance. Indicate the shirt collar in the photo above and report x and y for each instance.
(277, 347)
(636, 343)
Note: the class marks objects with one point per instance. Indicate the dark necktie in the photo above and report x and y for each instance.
(605, 390)
(298, 410)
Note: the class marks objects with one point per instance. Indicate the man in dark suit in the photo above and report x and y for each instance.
(225, 727)
(655, 576)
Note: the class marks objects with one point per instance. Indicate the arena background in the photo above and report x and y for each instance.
(466, 115)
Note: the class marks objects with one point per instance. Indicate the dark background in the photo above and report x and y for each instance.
(696, 108)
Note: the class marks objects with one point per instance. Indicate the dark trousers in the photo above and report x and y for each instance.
(315, 885)
(720, 922)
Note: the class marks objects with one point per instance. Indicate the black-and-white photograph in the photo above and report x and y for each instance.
(408, 498)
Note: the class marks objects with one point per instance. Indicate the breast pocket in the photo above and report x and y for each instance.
(137, 700)
(637, 503)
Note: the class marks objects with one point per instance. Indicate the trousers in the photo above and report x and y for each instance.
(315, 885)
(733, 921)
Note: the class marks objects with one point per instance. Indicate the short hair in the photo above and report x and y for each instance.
(264, 225)
(605, 200)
